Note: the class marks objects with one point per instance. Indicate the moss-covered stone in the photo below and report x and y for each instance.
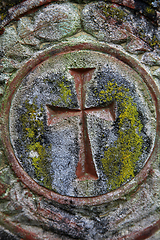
(32, 127)
(120, 159)
(114, 12)
(5, 5)
(48, 132)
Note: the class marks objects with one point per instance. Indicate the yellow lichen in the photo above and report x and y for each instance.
(65, 92)
(114, 12)
(149, 10)
(119, 159)
(154, 42)
(3, 15)
(33, 129)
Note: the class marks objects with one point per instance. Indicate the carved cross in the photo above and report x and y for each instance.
(86, 167)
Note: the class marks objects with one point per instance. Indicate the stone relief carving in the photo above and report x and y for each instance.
(77, 76)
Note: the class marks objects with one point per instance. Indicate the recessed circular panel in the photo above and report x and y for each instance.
(82, 124)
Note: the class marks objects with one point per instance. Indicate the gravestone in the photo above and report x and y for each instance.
(80, 120)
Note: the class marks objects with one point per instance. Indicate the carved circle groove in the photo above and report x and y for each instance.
(94, 200)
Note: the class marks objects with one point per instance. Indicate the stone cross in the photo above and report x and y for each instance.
(79, 119)
(85, 168)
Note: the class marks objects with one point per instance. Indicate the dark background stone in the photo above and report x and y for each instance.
(7, 236)
(5, 5)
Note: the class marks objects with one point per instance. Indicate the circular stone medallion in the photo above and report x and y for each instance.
(82, 123)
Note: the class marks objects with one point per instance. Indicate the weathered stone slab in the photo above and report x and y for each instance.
(25, 30)
(101, 94)
(112, 23)
(157, 73)
(56, 21)
(100, 20)
(137, 46)
(151, 59)
(80, 120)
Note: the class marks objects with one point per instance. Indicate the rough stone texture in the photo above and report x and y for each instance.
(6, 235)
(52, 23)
(151, 59)
(53, 92)
(131, 28)
(56, 22)
(137, 46)
(111, 23)
(25, 30)
(157, 73)
(99, 22)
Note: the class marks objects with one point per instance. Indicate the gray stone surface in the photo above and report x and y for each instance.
(157, 73)
(137, 46)
(112, 23)
(100, 26)
(25, 30)
(107, 221)
(56, 21)
(9, 39)
(23, 211)
(151, 59)
(52, 85)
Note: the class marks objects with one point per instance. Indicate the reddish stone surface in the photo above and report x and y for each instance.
(3, 191)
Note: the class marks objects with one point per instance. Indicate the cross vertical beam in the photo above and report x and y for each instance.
(85, 168)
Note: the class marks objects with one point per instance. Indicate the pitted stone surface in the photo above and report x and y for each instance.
(100, 26)
(137, 46)
(25, 30)
(157, 73)
(9, 39)
(56, 21)
(105, 22)
(128, 214)
(151, 59)
(81, 107)
(112, 23)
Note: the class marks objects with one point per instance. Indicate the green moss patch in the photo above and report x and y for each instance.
(33, 128)
(114, 12)
(120, 158)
